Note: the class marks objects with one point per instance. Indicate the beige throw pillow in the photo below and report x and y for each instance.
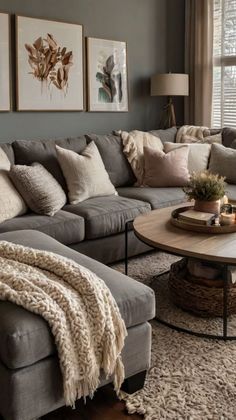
(85, 173)
(166, 169)
(40, 189)
(198, 155)
(133, 144)
(11, 203)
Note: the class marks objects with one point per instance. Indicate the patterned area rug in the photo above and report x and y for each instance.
(190, 378)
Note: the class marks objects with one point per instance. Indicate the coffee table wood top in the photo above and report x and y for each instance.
(155, 229)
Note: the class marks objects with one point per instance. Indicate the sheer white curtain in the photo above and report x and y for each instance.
(199, 61)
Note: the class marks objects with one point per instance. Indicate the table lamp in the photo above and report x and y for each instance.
(169, 84)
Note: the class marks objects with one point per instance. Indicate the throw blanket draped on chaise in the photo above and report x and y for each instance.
(83, 316)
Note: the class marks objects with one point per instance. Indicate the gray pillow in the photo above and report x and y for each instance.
(233, 144)
(111, 150)
(228, 136)
(167, 135)
(39, 188)
(223, 162)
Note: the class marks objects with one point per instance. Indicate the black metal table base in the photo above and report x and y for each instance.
(224, 336)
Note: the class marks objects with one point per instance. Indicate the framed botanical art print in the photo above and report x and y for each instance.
(107, 75)
(5, 101)
(49, 65)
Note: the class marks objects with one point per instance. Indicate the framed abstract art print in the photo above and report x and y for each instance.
(49, 65)
(107, 75)
(5, 101)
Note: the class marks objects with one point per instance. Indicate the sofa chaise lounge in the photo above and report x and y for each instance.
(30, 378)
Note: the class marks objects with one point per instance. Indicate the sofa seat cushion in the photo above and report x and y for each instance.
(156, 197)
(26, 337)
(67, 228)
(107, 215)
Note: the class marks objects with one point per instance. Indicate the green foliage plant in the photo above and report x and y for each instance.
(205, 186)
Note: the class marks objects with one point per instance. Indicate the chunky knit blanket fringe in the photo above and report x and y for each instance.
(83, 316)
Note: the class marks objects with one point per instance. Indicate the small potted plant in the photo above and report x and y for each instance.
(207, 190)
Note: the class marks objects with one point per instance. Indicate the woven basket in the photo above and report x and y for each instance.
(198, 295)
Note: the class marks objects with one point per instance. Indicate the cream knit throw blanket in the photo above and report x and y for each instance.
(83, 316)
(188, 131)
(133, 148)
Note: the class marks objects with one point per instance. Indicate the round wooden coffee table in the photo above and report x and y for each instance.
(156, 230)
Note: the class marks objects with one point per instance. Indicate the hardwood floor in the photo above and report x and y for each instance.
(104, 406)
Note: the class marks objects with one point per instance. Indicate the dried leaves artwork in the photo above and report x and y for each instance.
(110, 78)
(50, 63)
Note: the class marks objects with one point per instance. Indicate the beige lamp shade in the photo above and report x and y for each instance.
(169, 84)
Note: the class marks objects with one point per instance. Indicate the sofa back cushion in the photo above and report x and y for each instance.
(44, 152)
(223, 162)
(167, 135)
(111, 150)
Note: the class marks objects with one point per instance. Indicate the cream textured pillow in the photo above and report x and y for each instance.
(166, 169)
(40, 189)
(133, 144)
(85, 173)
(11, 203)
(198, 154)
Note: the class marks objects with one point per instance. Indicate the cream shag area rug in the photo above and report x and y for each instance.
(190, 378)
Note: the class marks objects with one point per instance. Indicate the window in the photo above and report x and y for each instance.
(224, 70)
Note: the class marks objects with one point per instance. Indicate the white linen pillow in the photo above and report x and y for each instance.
(198, 157)
(11, 202)
(85, 173)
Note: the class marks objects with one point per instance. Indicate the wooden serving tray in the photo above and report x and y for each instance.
(198, 228)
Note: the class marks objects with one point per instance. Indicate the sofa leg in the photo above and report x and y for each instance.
(134, 383)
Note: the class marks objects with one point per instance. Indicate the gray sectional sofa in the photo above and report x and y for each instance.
(30, 379)
(96, 226)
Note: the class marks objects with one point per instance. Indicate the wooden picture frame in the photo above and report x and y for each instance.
(49, 65)
(107, 75)
(5, 85)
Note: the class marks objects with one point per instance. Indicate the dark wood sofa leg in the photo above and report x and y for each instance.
(134, 383)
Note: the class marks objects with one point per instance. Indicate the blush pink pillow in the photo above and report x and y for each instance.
(166, 169)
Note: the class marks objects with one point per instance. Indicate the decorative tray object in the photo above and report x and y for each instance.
(186, 225)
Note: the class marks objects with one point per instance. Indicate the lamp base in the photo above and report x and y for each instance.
(168, 119)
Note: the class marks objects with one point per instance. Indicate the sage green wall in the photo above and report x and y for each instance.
(142, 23)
